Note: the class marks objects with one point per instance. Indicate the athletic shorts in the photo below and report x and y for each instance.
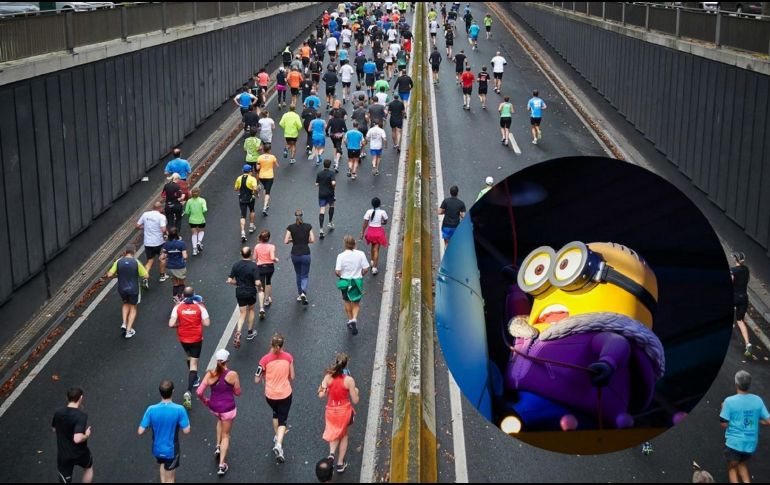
(178, 273)
(267, 184)
(67, 467)
(433, 34)
(291, 140)
(740, 309)
(483, 88)
(294, 91)
(534, 121)
(467, 90)
(447, 233)
(354, 153)
(193, 350)
(330, 90)
(246, 207)
(226, 416)
(736, 456)
(245, 297)
(198, 226)
(404, 96)
(337, 143)
(169, 464)
(280, 409)
(498, 75)
(316, 77)
(474, 38)
(396, 123)
(346, 85)
(305, 61)
(319, 142)
(505, 123)
(434, 67)
(450, 43)
(459, 69)
(152, 251)
(376, 152)
(489, 28)
(130, 298)
(265, 272)
(370, 80)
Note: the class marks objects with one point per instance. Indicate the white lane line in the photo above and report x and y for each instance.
(455, 401)
(514, 145)
(380, 367)
(225, 337)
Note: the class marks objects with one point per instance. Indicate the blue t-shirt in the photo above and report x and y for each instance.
(174, 249)
(245, 100)
(743, 413)
(165, 419)
(317, 127)
(332, 25)
(536, 105)
(370, 67)
(336, 35)
(343, 55)
(386, 26)
(355, 138)
(180, 166)
(313, 100)
(474, 30)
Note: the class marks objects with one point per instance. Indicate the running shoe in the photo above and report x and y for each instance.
(330, 226)
(336, 168)
(285, 152)
(163, 277)
(353, 327)
(539, 134)
(363, 154)
(292, 161)
(354, 176)
(197, 382)
(376, 171)
(217, 452)
(223, 468)
(200, 247)
(534, 141)
(278, 451)
(251, 334)
(375, 270)
(237, 340)
(747, 352)
(350, 174)
(243, 236)
(195, 251)
(303, 298)
(268, 302)
(321, 234)
(262, 314)
(146, 284)
(252, 228)
(130, 333)
(341, 467)
(299, 298)
(187, 400)
(264, 212)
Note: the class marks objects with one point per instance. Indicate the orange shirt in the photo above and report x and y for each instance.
(294, 79)
(277, 368)
(304, 51)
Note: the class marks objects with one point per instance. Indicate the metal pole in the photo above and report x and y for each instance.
(573, 6)
(588, 8)
(678, 20)
(647, 17)
(219, 10)
(237, 9)
(163, 17)
(718, 36)
(69, 34)
(123, 23)
(604, 10)
(623, 13)
(195, 13)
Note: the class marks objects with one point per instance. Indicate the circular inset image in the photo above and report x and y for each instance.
(585, 305)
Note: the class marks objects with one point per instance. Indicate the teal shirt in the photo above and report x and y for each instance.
(743, 412)
(196, 209)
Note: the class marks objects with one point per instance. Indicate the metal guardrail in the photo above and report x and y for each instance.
(413, 447)
(34, 35)
(744, 32)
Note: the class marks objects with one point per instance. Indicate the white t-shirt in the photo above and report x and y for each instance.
(433, 27)
(392, 35)
(380, 217)
(376, 136)
(346, 35)
(393, 49)
(382, 98)
(346, 73)
(154, 223)
(351, 263)
(266, 125)
(331, 44)
(498, 64)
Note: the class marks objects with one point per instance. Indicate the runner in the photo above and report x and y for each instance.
(354, 140)
(468, 17)
(266, 127)
(264, 255)
(350, 268)
(331, 47)
(335, 130)
(330, 79)
(377, 140)
(189, 317)
(306, 88)
(304, 53)
(225, 386)
(473, 33)
(326, 183)
(281, 86)
(277, 369)
(370, 71)
(318, 128)
(358, 95)
(128, 270)
(341, 392)
(453, 210)
(346, 76)
(435, 63)
(153, 223)
(359, 62)
(316, 68)
(535, 106)
(397, 114)
(300, 235)
(294, 79)
(246, 186)
(243, 100)
(291, 124)
(174, 253)
(263, 81)
(506, 111)
(244, 275)
(286, 56)
(175, 197)
(483, 80)
(250, 121)
(195, 209)
(498, 67)
(460, 64)
(449, 40)
(740, 275)
(379, 61)
(393, 50)
(72, 434)
(308, 115)
(165, 419)
(178, 165)
(488, 183)
(360, 115)
(488, 25)
(373, 231)
(267, 164)
(467, 79)
(313, 100)
(381, 96)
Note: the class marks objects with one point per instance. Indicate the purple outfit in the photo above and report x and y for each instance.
(222, 399)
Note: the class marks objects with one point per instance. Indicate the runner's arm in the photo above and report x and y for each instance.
(172, 322)
(287, 238)
(350, 383)
(113, 270)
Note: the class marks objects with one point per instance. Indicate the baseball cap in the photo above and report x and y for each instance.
(247, 168)
(490, 181)
(222, 355)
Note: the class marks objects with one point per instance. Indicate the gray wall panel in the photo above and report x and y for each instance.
(55, 137)
(81, 146)
(130, 115)
(754, 192)
(92, 125)
(43, 162)
(6, 277)
(70, 155)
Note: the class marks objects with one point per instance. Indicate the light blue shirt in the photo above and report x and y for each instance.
(314, 100)
(343, 55)
(743, 413)
(474, 30)
(355, 138)
(245, 100)
(370, 67)
(165, 419)
(317, 127)
(536, 106)
(180, 166)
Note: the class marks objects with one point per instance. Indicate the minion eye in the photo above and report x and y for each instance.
(569, 264)
(535, 270)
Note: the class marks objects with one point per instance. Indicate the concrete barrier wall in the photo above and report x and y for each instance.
(711, 119)
(73, 141)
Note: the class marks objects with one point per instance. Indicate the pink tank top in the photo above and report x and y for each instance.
(262, 252)
(222, 397)
(338, 393)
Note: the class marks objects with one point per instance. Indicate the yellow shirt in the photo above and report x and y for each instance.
(266, 163)
(251, 183)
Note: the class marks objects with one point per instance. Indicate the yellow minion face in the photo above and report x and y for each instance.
(580, 278)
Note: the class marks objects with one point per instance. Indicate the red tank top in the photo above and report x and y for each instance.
(338, 393)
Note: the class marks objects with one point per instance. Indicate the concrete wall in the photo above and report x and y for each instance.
(73, 141)
(711, 119)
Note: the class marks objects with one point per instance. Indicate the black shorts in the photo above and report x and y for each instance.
(280, 409)
(346, 85)
(267, 184)
(130, 298)
(434, 67)
(193, 350)
(396, 123)
(370, 80)
(245, 297)
(488, 27)
(198, 226)
(337, 143)
(534, 121)
(741, 306)
(459, 69)
(265, 272)
(169, 464)
(294, 91)
(505, 123)
(305, 61)
(67, 467)
(483, 88)
(734, 456)
(450, 43)
(467, 90)
(152, 251)
(291, 140)
(315, 77)
(330, 90)
(354, 153)
(498, 75)
(433, 34)
(246, 207)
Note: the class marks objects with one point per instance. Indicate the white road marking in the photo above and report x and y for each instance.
(455, 401)
(380, 368)
(225, 337)
(514, 145)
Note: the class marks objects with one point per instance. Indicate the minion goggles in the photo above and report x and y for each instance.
(575, 267)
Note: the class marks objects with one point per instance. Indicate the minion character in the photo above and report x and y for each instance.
(586, 356)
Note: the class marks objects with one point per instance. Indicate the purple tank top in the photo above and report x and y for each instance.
(222, 399)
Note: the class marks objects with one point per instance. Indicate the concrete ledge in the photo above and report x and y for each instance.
(708, 51)
(30, 67)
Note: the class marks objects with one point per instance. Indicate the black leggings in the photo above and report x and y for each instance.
(174, 216)
(281, 96)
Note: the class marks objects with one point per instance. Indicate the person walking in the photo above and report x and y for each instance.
(276, 368)
(225, 386)
(244, 275)
(174, 255)
(506, 112)
(326, 182)
(267, 164)
(195, 209)
(264, 256)
(488, 183)
(535, 106)
(189, 317)
(246, 185)
(291, 124)
(128, 270)
(741, 275)
(175, 198)
(166, 419)
(300, 236)
(373, 231)
(341, 393)
(453, 210)
(350, 268)
(153, 223)
(740, 417)
(72, 433)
